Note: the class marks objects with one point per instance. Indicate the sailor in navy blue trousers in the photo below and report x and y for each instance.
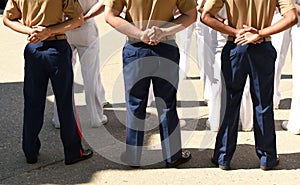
(142, 64)
(151, 55)
(248, 51)
(48, 56)
(43, 61)
(257, 61)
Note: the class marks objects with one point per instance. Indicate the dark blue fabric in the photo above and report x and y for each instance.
(43, 61)
(143, 64)
(257, 61)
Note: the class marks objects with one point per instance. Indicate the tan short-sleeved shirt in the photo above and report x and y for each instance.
(41, 12)
(140, 12)
(255, 13)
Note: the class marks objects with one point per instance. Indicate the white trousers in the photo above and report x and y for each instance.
(84, 41)
(246, 110)
(281, 42)
(210, 44)
(294, 124)
(185, 40)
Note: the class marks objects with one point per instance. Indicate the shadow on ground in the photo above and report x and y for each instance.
(50, 168)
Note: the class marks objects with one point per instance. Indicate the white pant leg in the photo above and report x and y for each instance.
(246, 110)
(213, 85)
(281, 42)
(185, 40)
(294, 124)
(86, 41)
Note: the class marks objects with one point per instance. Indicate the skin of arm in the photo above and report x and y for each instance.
(288, 19)
(247, 34)
(95, 10)
(150, 36)
(40, 33)
(112, 17)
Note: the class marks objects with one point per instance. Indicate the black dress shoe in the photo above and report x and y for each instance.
(86, 154)
(270, 167)
(128, 162)
(185, 157)
(31, 161)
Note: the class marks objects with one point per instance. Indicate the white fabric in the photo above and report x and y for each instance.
(84, 41)
(294, 124)
(281, 42)
(246, 110)
(209, 46)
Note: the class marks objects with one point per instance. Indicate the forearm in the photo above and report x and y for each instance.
(112, 18)
(17, 26)
(214, 23)
(66, 25)
(288, 20)
(97, 9)
(180, 23)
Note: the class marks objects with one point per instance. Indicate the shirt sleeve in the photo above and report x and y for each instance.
(71, 8)
(12, 12)
(285, 5)
(115, 4)
(213, 6)
(186, 5)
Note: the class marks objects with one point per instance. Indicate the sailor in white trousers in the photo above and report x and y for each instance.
(210, 44)
(293, 125)
(281, 42)
(84, 41)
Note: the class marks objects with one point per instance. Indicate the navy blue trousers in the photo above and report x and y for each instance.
(143, 64)
(43, 61)
(257, 61)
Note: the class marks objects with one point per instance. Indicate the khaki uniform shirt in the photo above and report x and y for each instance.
(255, 13)
(41, 12)
(147, 13)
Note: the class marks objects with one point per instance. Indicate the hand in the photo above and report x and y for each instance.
(39, 34)
(144, 36)
(156, 34)
(246, 29)
(248, 35)
(248, 38)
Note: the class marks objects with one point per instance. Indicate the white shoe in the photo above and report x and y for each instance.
(182, 123)
(208, 126)
(103, 122)
(284, 126)
(55, 123)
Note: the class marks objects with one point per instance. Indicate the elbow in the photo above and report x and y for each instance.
(194, 17)
(291, 17)
(294, 19)
(80, 20)
(203, 18)
(5, 21)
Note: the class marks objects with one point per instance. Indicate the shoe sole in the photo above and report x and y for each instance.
(270, 167)
(79, 159)
(218, 165)
(178, 162)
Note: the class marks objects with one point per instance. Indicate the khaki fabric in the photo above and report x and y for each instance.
(41, 12)
(255, 13)
(146, 13)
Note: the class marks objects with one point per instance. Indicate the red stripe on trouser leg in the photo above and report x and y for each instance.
(77, 121)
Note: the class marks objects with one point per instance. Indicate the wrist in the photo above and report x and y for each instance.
(260, 34)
